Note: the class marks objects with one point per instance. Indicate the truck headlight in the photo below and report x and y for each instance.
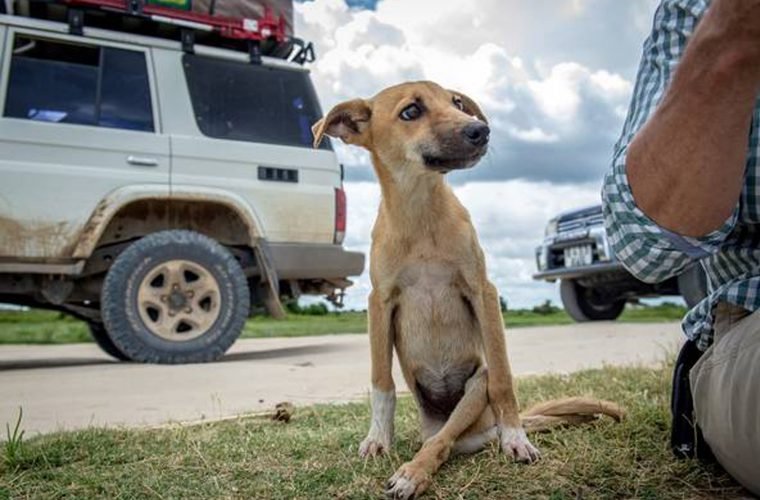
(541, 258)
(551, 228)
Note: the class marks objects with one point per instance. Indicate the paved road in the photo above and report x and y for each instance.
(74, 386)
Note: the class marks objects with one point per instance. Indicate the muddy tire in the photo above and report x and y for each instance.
(101, 337)
(588, 304)
(175, 297)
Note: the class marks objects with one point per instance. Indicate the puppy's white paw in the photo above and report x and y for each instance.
(515, 443)
(374, 445)
(380, 435)
(408, 482)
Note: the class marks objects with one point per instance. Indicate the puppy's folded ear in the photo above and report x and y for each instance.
(470, 106)
(348, 121)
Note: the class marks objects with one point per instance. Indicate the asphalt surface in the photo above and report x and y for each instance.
(74, 386)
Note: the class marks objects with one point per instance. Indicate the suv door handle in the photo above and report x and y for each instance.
(142, 161)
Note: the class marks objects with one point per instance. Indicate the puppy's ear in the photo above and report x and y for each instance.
(470, 106)
(348, 121)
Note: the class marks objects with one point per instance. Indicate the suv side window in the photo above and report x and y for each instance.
(245, 102)
(80, 84)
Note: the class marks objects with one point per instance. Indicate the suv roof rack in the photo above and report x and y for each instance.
(265, 35)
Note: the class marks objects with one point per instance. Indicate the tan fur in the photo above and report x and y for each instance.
(431, 298)
(568, 411)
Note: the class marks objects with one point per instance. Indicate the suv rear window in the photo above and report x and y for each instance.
(79, 84)
(245, 102)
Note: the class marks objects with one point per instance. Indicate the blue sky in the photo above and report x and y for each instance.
(553, 76)
(358, 4)
(362, 4)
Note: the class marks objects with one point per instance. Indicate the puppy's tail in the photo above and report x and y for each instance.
(568, 411)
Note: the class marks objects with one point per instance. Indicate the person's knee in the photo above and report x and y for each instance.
(725, 385)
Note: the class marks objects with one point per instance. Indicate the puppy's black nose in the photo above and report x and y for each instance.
(476, 133)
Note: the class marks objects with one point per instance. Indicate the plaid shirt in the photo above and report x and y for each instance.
(730, 255)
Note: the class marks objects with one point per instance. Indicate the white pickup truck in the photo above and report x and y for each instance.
(160, 193)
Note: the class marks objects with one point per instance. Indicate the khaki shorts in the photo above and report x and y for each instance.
(725, 384)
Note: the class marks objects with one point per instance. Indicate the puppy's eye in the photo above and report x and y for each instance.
(411, 112)
(458, 103)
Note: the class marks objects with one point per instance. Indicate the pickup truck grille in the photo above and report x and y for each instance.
(556, 255)
(573, 230)
(565, 226)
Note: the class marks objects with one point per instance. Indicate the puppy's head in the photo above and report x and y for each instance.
(417, 125)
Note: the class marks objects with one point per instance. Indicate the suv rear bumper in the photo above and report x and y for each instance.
(314, 261)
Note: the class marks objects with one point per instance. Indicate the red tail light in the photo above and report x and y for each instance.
(340, 215)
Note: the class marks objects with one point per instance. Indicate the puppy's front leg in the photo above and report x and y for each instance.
(412, 478)
(501, 393)
(380, 434)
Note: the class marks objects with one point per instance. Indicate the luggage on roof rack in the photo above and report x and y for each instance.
(262, 27)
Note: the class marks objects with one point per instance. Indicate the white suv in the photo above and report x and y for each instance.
(159, 193)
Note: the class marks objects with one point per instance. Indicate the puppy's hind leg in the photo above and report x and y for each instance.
(477, 437)
(412, 478)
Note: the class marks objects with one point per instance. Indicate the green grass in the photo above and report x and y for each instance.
(663, 312)
(46, 327)
(315, 455)
(302, 325)
(14, 441)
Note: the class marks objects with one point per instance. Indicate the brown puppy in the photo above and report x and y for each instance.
(431, 297)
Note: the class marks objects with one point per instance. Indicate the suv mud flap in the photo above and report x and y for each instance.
(269, 280)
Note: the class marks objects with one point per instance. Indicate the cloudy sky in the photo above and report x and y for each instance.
(553, 76)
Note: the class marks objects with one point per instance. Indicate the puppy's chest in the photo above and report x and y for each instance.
(435, 326)
(432, 291)
(426, 277)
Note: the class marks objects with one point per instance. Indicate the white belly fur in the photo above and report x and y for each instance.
(434, 325)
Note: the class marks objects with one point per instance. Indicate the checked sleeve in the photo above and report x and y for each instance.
(649, 252)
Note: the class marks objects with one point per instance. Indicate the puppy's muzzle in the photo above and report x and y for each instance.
(476, 133)
(460, 149)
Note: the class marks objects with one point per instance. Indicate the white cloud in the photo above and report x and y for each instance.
(534, 134)
(558, 96)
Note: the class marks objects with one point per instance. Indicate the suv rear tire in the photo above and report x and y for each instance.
(175, 297)
(585, 304)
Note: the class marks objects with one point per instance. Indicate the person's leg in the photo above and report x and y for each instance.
(725, 384)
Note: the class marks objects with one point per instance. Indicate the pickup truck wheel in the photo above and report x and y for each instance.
(100, 336)
(586, 304)
(175, 297)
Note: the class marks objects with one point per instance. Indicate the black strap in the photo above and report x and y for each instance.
(686, 438)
